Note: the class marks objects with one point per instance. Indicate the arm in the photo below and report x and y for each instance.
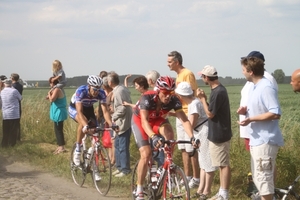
(201, 95)
(80, 117)
(106, 114)
(125, 80)
(193, 119)
(262, 117)
(128, 104)
(53, 94)
(185, 122)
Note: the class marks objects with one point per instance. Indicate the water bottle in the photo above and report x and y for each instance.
(153, 175)
(89, 153)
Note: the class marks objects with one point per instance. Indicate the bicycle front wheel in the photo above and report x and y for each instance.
(101, 170)
(176, 186)
(77, 172)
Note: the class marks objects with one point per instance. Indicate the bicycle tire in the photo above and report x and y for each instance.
(179, 185)
(148, 191)
(77, 172)
(101, 163)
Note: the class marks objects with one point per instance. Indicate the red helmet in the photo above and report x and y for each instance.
(165, 83)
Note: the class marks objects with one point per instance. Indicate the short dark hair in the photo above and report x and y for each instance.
(176, 56)
(254, 64)
(142, 81)
(103, 74)
(54, 82)
(15, 76)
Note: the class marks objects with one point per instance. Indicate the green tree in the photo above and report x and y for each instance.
(279, 75)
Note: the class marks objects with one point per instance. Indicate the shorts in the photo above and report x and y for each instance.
(88, 112)
(182, 135)
(219, 153)
(141, 137)
(263, 160)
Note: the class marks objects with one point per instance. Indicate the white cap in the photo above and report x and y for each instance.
(209, 71)
(184, 89)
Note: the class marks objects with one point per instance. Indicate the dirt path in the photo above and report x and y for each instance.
(22, 181)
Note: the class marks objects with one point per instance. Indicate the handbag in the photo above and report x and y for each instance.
(106, 139)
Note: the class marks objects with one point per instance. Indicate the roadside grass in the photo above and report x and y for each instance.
(38, 142)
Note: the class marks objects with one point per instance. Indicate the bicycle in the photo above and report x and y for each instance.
(94, 161)
(170, 181)
(288, 193)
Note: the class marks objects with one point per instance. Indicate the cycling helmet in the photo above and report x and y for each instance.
(165, 83)
(94, 80)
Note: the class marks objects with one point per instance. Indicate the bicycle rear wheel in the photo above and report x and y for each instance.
(148, 191)
(101, 165)
(176, 186)
(77, 172)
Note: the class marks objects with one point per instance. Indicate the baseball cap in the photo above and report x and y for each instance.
(255, 54)
(209, 71)
(3, 77)
(184, 89)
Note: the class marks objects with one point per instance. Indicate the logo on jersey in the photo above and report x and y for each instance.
(146, 102)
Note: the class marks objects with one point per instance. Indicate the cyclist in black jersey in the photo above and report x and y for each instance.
(148, 122)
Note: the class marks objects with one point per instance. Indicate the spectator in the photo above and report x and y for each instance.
(126, 80)
(59, 74)
(295, 80)
(219, 127)
(152, 76)
(122, 117)
(15, 83)
(197, 115)
(10, 98)
(58, 113)
(185, 75)
(103, 74)
(2, 78)
(263, 114)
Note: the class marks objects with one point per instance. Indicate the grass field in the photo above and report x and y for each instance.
(38, 140)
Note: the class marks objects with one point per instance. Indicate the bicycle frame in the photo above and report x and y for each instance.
(284, 193)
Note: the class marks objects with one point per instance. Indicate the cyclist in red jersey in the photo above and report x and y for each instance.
(148, 122)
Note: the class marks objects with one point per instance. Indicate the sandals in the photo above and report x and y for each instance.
(199, 196)
(59, 150)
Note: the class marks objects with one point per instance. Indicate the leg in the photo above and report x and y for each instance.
(225, 174)
(145, 152)
(13, 127)
(202, 182)
(195, 165)
(209, 177)
(124, 154)
(5, 130)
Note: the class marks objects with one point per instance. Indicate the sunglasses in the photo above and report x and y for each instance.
(167, 92)
(95, 89)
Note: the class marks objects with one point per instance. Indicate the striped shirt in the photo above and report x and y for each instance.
(10, 98)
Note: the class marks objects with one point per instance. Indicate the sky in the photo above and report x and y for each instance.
(133, 37)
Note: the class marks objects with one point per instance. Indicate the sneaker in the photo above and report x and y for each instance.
(116, 172)
(97, 176)
(182, 183)
(76, 157)
(121, 174)
(140, 196)
(193, 183)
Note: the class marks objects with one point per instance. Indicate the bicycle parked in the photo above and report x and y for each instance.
(95, 160)
(166, 182)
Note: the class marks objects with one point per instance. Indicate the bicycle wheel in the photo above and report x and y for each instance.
(101, 166)
(148, 191)
(77, 172)
(176, 186)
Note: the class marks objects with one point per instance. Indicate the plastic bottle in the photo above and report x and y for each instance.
(89, 153)
(153, 175)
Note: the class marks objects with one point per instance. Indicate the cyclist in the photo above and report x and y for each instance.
(81, 109)
(148, 122)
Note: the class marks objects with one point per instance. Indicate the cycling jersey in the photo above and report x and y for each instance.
(148, 101)
(82, 95)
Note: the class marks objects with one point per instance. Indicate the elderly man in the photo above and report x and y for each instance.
(295, 80)
(10, 98)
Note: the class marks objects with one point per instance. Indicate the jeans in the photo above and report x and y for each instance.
(122, 153)
(59, 133)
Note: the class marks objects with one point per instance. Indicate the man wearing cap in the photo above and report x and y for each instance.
(219, 127)
(10, 98)
(184, 75)
(262, 120)
(15, 83)
(295, 80)
(244, 95)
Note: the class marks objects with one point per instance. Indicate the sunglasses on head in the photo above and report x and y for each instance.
(167, 92)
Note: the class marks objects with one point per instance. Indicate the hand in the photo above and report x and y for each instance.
(200, 94)
(129, 75)
(242, 110)
(85, 129)
(195, 142)
(157, 141)
(245, 122)
(115, 127)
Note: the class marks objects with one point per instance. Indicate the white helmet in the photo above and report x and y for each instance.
(94, 80)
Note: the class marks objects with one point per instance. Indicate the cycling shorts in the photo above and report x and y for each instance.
(88, 112)
(140, 136)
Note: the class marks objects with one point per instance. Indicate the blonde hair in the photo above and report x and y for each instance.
(56, 66)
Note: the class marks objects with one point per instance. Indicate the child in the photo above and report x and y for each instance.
(59, 74)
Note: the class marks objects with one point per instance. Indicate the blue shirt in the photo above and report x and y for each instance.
(263, 98)
(82, 95)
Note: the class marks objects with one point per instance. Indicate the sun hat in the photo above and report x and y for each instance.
(255, 54)
(209, 71)
(184, 89)
(3, 77)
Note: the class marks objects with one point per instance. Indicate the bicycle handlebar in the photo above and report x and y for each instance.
(170, 142)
